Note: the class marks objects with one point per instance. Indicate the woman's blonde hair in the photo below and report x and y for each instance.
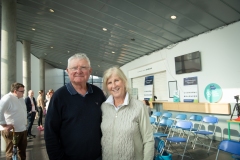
(117, 71)
(50, 90)
(40, 92)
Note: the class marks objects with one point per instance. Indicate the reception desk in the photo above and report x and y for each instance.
(212, 108)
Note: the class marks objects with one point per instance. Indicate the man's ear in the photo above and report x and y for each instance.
(90, 70)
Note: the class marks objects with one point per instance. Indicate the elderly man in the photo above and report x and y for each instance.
(72, 125)
(31, 112)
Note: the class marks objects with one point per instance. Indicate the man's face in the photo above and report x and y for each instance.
(19, 93)
(30, 93)
(79, 71)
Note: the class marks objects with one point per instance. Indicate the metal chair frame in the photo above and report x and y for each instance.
(165, 115)
(166, 122)
(208, 120)
(180, 125)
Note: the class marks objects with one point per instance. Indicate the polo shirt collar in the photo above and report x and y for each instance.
(72, 91)
(111, 101)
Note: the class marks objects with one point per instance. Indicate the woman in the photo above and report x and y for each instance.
(127, 133)
(40, 104)
(48, 97)
(146, 102)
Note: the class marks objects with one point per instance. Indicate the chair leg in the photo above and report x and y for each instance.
(217, 154)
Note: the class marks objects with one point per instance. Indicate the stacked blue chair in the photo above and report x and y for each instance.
(157, 115)
(196, 119)
(165, 115)
(166, 122)
(152, 120)
(232, 147)
(208, 134)
(179, 117)
(180, 125)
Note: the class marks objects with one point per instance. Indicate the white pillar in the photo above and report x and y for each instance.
(26, 66)
(8, 49)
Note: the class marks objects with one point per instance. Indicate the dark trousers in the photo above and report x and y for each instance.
(31, 117)
(40, 114)
(22, 144)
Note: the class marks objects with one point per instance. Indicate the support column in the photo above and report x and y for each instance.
(8, 49)
(42, 74)
(26, 66)
(8, 45)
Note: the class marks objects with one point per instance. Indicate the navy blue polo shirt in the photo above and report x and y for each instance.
(72, 125)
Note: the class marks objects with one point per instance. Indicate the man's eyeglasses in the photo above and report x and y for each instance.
(21, 91)
(82, 68)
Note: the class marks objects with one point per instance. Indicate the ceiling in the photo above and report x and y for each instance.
(134, 27)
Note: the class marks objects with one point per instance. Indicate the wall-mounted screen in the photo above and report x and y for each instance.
(188, 63)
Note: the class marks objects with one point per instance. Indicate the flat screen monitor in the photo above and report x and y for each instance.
(188, 63)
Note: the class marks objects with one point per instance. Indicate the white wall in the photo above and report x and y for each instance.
(220, 55)
(53, 78)
(220, 60)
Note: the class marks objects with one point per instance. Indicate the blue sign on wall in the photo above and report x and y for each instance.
(213, 93)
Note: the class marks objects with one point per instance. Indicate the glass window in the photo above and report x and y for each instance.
(95, 80)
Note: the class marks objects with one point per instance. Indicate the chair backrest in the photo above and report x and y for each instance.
(184, 124)
(229, 146)
(195, 118)
(167, 115)
(181, 116)
(210, 119)
(167, 122)
(152, 120)
(157, 114)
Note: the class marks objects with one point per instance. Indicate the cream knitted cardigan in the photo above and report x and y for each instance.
(127, 133)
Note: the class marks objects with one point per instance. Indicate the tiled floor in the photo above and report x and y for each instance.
(36, 150)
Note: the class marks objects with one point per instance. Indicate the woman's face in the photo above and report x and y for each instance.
(116, 87)
(144, 102)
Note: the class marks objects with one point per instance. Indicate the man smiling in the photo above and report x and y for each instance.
(72, 125)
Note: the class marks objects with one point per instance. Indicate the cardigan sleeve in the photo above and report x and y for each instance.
(146, 133)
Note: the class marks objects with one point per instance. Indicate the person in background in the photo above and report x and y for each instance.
(127, 132)
(31, 112)
(40, 103)
(48, 97)
(13, 115)
(72, 124)
(146, 102)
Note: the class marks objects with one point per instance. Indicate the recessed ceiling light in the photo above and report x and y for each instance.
(33, 29)
(51, 46)
(104, 29)
(113, 52)
(45, 53)
(173, 17)
(60, 62)
(98, 65)
(51, 10)
(68, 51)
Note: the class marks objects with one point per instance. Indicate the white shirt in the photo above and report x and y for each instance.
(33, 106)
(110, 100)
(13, 111)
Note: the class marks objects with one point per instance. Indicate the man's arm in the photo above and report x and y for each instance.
(28, 104)
(52, 129)
(7, 127)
